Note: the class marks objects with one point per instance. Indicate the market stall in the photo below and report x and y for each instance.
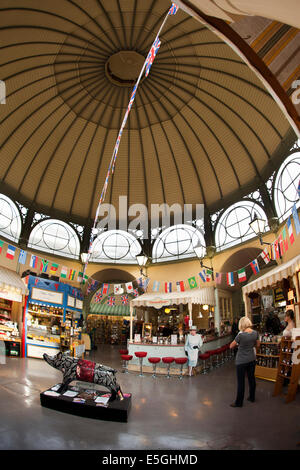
(50, 320)
(196, 306)
(12, 292)
(266, 299)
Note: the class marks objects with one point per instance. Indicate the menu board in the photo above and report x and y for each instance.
(78, 304)
(47, 296)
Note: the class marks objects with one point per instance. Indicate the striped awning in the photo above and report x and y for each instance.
(105, 309)
(282, 271)
(203, 296)
(11, 285)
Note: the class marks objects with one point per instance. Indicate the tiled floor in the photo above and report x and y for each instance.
(166, 414)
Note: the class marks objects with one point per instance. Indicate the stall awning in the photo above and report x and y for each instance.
(277, 274)
(11, 285)
(105, 309)
(158, 299)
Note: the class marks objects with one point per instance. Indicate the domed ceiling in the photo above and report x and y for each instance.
(202, 129)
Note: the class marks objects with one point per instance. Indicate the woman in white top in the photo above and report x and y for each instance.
(290, 319)
(192, 346)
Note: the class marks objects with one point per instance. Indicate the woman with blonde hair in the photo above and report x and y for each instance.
(246, 340)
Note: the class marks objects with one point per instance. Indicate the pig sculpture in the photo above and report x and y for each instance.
(85, 371)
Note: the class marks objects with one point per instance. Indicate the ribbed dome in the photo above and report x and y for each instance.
(202, 128)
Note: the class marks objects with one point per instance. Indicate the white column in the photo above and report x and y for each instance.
(190, 307)
(131, 321)
(217, 310)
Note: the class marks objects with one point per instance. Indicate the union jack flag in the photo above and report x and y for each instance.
(98, 297)
(124, 299)
(111, 301)
(173, 9)
(151, 55)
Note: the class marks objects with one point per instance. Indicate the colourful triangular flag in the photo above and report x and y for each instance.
(44, 265)
(218, 278)
(230, 279)
(54, 268)
(180, 286)
(64, 272)
(296, 219)
(1, 245)
(124, 299)
(11, 251)
(254, 266)
(79, 277)
(72, 274)
(168, 286)
(192, 282)
(22, 257)
(242, 275)
(151, 55)
(111, 300)
(118, 289)
(209, 274)
(129, 287)
(290, 230)
(33, 261)
(265, 255)
(202, 275)
(155, 287)
(285, 240)
(105, 289)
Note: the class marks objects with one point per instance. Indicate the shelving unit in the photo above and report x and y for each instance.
(267, 357)
(287, 370)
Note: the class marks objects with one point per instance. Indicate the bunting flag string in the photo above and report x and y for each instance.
(146, 66)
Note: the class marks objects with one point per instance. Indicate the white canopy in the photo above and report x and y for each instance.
(159, 299)
(11, 285)
(277, 274)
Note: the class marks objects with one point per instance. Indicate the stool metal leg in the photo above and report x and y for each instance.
(181, 370)
(126, 368)
(154, 371)
(141, 367)
(204, 369)
(168, 376)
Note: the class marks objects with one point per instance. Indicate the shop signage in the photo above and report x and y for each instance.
(71, 301)
(79, 304)
(47, 296)
(278, 295)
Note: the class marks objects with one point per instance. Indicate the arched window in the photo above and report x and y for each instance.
(177, 242)
(55, 236)
(10, 219)
(115, 246)
(233, 226)
(286, 184)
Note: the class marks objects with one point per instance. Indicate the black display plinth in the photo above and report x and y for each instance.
(117, 410)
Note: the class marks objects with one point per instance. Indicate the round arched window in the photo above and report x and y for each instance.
(233, 226)
(55, 236)
(177, 242)
(286, 183)
(115, 246)
(10, 219)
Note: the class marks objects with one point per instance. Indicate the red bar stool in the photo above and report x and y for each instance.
(181, 361)
(125, 358)
(218, 352)
(141, 355)
(204, 358)
(123, 351)
(168, 360)
(213, 358)
(154, 361)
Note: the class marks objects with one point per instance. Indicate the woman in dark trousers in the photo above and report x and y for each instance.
(246, 340)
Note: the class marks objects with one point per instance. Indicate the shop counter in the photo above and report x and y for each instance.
(168, 350)
(36, 348)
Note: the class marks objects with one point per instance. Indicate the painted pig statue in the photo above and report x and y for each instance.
(85, 371)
